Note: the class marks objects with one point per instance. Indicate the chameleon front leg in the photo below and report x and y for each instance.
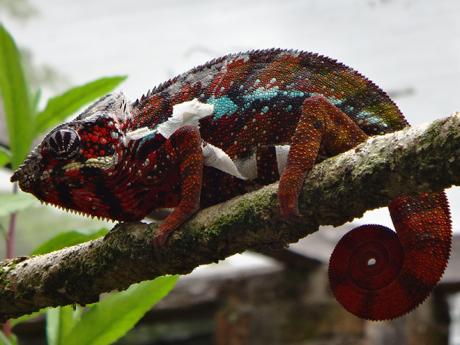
(185, 145)
(320, 124)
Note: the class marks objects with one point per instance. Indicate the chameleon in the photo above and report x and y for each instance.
(234, 123)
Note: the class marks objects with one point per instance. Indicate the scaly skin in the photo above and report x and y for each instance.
(115, 161)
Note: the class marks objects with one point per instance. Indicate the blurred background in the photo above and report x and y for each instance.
(411, 48)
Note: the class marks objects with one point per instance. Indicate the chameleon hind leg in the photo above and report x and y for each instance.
(321, 124)
(374, 272)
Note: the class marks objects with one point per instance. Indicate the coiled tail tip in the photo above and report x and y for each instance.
(368, 275)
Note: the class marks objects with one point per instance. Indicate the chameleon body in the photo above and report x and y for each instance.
(123, 160)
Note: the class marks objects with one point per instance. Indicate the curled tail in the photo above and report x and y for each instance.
(378, 274)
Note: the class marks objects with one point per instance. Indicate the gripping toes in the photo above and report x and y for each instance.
(288, 193)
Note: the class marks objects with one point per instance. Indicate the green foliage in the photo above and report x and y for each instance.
(62, 106)
(36, 100)
(12, 203)
(105, 322)
(59, 322)
(20, 107)
(27, 317)
(68, 238)
(16, 100)
(5, 156)
(4, 340)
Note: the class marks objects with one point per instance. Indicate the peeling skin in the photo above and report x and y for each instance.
(337, 190)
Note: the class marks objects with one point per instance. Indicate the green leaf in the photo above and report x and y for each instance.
(27, 317)
(4, 340)
(10, 203)
(36, 101)
(67, 239)
(60, 107)
(3, 231)
(16, 99)
(115, 315)
(59, 321)
(5, 156)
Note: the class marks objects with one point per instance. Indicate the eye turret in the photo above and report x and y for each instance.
(64, 143)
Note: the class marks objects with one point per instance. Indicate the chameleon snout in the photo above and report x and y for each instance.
(27, 173)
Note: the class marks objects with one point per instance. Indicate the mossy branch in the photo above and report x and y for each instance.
(424, 158)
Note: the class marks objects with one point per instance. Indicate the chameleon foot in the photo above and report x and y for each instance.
(160, 238)
(288, 205)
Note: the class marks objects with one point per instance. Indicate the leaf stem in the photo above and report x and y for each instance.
(10, 236)
(10, 241)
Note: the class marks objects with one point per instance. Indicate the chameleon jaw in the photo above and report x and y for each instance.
(76, 212)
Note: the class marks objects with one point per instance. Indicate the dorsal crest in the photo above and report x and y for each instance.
(114, 104)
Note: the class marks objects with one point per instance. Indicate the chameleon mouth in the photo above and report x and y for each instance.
(28, 171)
(76, 212)
(24, 177)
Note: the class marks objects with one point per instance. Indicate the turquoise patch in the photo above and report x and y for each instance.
(295, 93)
(262, 94)
(225, 106)
(222, 106)
(370, 118)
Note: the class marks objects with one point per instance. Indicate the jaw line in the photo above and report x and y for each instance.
(76, 212)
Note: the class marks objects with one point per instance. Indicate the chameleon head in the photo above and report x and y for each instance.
(65, 167)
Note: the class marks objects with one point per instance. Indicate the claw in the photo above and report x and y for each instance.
(160, 238)
(289, 211)
(289, 205)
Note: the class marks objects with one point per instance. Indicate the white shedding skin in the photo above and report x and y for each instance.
(282, 152)
(186, 113)
(217, 158)
(190, 113)
(139, 133)
(248, 166)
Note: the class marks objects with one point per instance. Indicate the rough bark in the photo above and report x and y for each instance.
(424, 158)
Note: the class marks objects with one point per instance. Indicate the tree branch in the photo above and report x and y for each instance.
(424, 158)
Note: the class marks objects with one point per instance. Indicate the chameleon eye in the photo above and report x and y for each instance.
(65, 143)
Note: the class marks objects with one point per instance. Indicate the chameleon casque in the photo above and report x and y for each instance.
(238, 121)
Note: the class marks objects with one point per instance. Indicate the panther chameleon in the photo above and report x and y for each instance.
(238, 121)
